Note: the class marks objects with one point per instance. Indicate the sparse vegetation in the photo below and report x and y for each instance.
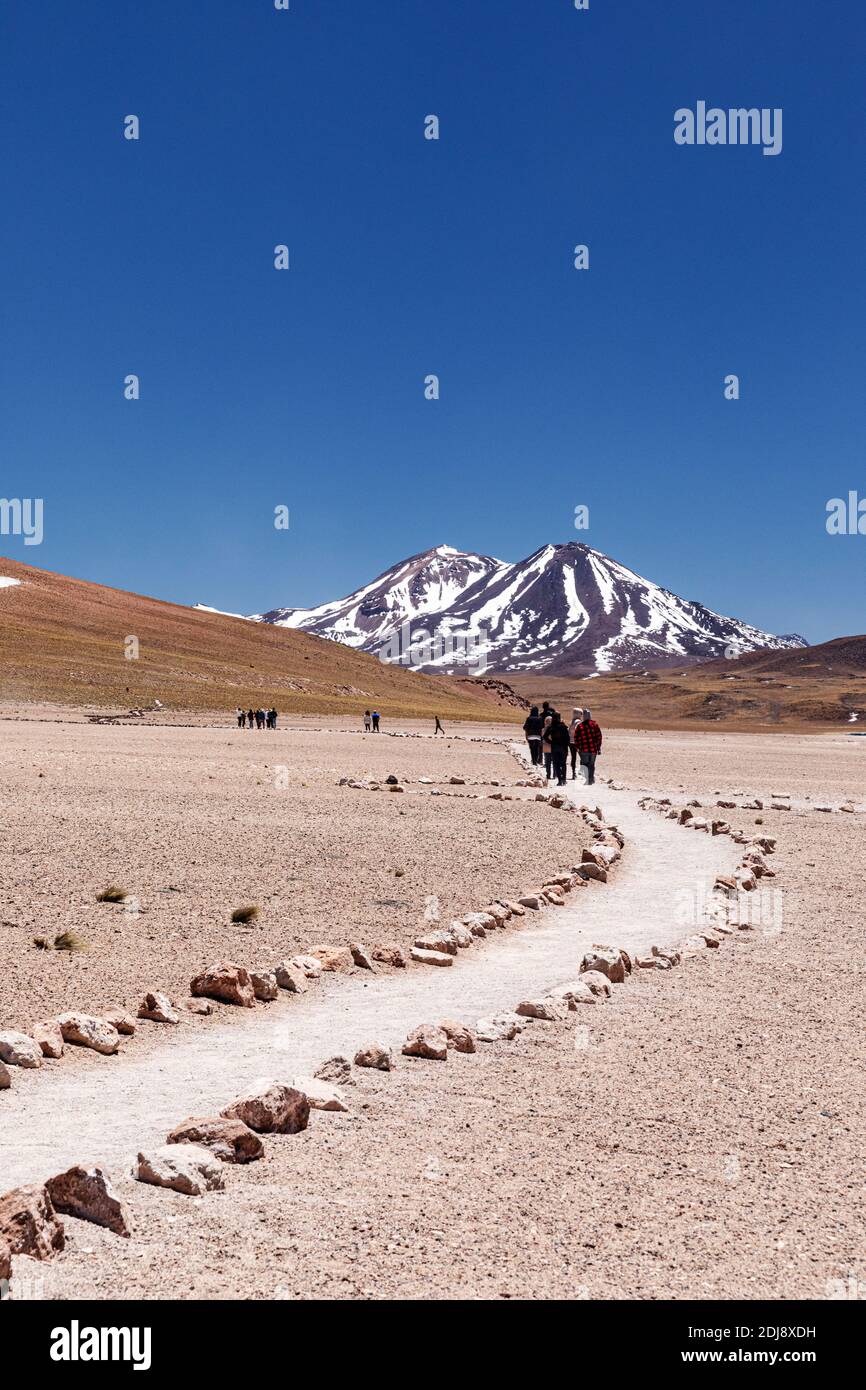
(245, 914)
(112, 894)
(65, 941)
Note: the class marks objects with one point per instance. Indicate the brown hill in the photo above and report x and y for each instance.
(64, 641)
(801, 690)
(843, 656)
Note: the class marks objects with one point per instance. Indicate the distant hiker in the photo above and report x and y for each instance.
(546, 748)
(375, 718)
(260, 719)
(546, 710)
(558, 739)
(576, 716)
(250, 718)
(438, 729)
(272, 718)
(587, 736)
(242, 719)
(532, 727)
(366, 721)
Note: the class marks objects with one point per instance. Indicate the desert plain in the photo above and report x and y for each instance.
(698, 1134)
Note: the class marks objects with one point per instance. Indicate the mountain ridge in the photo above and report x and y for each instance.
(565, 609)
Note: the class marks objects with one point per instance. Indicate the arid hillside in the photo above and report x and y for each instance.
(66, 641)
(803, 690)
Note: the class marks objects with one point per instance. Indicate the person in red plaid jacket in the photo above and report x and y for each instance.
(585, 737)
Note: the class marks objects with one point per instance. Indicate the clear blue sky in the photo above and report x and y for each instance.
(408, 256)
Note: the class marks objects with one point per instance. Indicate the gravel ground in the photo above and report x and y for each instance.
(698, 1137)
(196, 822)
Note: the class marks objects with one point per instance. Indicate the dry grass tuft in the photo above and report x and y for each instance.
(245, 914)
(112, 894)
(66, 941)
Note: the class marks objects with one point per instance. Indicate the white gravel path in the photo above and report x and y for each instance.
(56, 1116)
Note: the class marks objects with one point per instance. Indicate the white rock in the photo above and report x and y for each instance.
(186, 1168)
(321, 1095)
(19, 1050)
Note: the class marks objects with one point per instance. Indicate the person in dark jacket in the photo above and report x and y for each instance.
(546, 750)
(587, 737)
(375, 718)
(250, 718)
(532, 727)
(557, 735)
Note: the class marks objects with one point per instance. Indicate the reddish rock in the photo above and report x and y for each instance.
(332, 958)
(87, 1194)
(427, 1041)
(437, 941)
(311, 966)
(227, 982)
(668, 953)
(391, 955)
(608, 961)
(337, 1069)
(198, 1006)
(5, 1262)
(592, 871)
(5, 1078)
(598, 983)
(424, 957)
(460, 1038)
(121, 1020)
(291, 977)
(29, 1224)
(374, 1054)
(264, 984)
(271, 1108)
(49, 1038)
(361, 956)
(479, 923)
(550, 1010)
(575, 993)
(158, 1008)
(460, 935)
(231, 1141)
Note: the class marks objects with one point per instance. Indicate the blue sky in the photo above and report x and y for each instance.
(304, 388)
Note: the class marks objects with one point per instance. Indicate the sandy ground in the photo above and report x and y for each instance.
(196, 822)
(698, 1137)
(204, 1065)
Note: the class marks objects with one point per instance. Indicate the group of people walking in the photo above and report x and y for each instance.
(551, 741)
(257, 718)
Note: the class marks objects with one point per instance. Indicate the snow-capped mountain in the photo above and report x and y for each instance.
(424, 585)
(567, 609)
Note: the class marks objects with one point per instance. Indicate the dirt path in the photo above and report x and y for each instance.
(55, 1118)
